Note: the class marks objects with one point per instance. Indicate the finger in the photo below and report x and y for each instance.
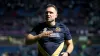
(49, 32)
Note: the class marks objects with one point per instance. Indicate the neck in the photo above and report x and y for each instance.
(51, 23)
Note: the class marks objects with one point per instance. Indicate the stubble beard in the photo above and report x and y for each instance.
(49, 20)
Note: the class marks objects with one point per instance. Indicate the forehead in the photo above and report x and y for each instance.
(51, 9)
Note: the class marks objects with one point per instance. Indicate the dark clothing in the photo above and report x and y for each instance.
(59, 35)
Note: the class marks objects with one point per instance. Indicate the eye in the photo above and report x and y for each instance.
(48, 12)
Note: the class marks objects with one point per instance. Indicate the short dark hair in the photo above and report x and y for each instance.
(52, 5)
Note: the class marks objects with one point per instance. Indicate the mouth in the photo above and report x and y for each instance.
(48, 19)
(48, 16)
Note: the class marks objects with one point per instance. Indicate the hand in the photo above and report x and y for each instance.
(64, 54)
(45, 34)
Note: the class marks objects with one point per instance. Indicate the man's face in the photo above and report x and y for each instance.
(51, 14)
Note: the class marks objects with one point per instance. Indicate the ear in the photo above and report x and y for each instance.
(56, 15)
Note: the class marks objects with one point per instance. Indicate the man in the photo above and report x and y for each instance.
(51, 35)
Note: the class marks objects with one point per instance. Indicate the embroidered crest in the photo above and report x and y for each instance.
(58, 29)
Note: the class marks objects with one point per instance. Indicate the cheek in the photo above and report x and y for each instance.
(55, 16)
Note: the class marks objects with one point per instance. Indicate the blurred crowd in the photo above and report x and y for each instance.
(81, 16)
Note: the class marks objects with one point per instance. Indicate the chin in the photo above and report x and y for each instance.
(50, 20)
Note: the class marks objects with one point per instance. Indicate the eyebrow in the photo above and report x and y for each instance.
(49, 11)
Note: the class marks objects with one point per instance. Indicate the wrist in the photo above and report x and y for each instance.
(39, 36)
(68, 53)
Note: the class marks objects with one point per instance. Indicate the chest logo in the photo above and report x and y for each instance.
(58, 29)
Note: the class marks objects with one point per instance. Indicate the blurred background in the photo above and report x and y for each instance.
(19, 16)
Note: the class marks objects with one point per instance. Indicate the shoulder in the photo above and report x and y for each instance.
(62, 24)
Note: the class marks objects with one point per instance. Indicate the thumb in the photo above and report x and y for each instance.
(62, 53)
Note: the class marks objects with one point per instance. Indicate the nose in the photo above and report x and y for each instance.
(48, 13)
